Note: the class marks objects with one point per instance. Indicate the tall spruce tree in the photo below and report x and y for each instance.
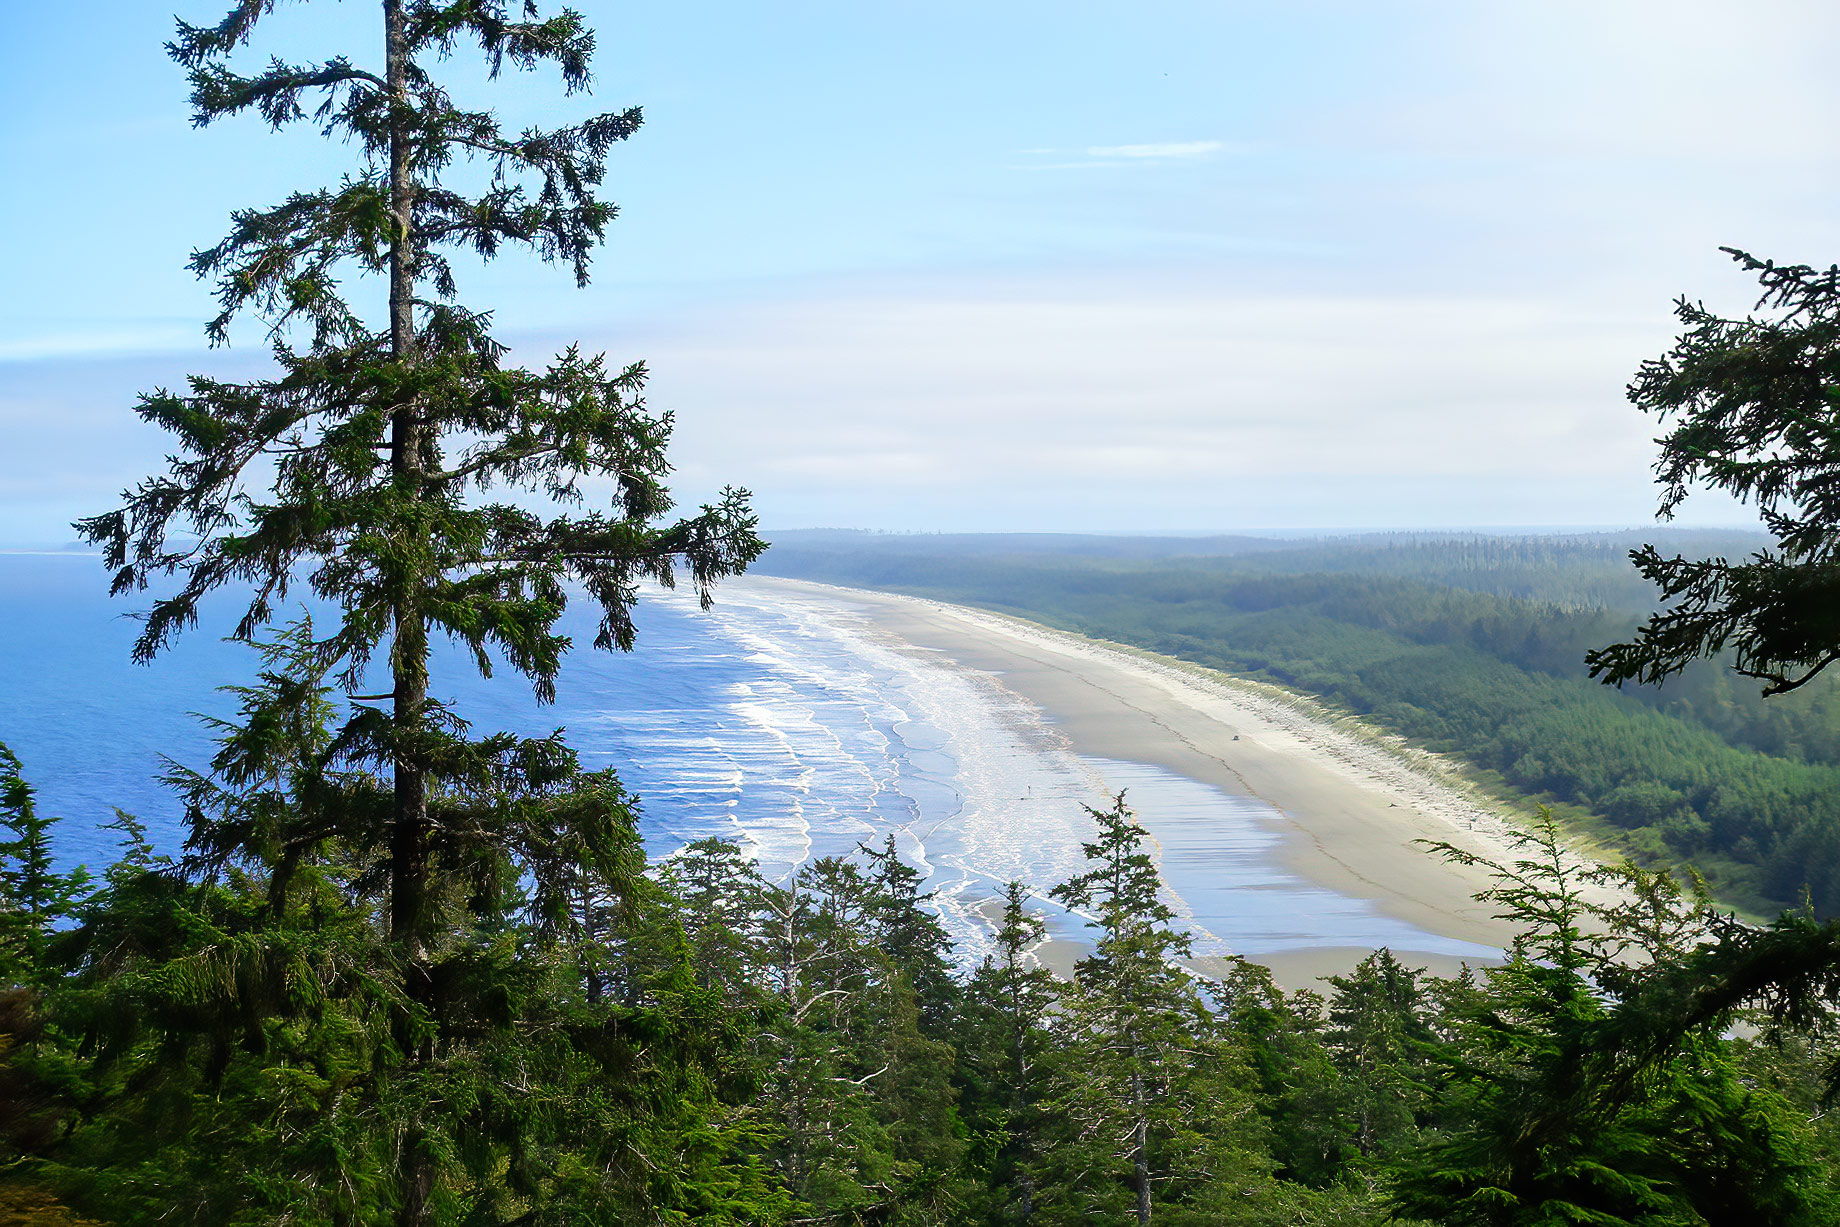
(1005, 1054)
(720, 895)
(1157, 1093)
(1131, 1015)
(34, 896)
(1377, 1034)
(910, 935)
(362, 469)
(359, 468)
(1541, 1120)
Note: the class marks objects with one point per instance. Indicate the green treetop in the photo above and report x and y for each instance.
(1007, 1056)
(33, 894)
(362, 466)
(1753, 407)
(389, 465)
(1156, 1094)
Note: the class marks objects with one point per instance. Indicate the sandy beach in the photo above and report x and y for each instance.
(1351, 806)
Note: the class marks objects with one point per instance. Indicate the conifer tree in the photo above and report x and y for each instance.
(826, 1148)
(1129, 1014)
(392, 414)
(33, 894)
(1539, 1122)
(1007, 1048)
(909, 934)
(720, 897)
(1304, 1096)
(1378, 1040)
(364, 470)
(1154, 1088)
(35, 1069)
(859, 1085)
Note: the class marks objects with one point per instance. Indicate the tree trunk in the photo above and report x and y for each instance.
(1140, 1172)
(1140, 1149)
(1025, 1141)
(409, 649)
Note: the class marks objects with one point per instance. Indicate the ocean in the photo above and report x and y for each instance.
(789, 723)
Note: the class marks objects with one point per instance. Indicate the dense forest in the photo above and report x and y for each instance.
(1471, 645)
(406, 973)
(688, 1043)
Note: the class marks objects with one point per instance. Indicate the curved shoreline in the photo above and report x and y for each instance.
(1351, 806)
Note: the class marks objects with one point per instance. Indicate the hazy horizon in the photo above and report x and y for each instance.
(1201, 268)
(70, 545)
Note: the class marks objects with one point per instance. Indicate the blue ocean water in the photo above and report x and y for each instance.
(787, 722)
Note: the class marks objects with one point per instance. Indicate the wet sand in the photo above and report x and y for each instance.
(1350, 806)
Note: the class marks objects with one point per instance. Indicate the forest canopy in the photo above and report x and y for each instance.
(405, 973)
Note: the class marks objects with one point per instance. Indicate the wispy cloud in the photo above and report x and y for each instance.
(1089, 164)
(1188, 404)
(1095, 156)
(1164, 149)
(98, 343)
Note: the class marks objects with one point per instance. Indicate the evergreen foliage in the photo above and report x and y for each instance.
(703, 1046)
(1543, 1121)
(1377, 1038)
(1751, 409)
(385, 430)
(1153, 1091)
(406, 974)
(34, 896)
(1007, 1059)
(1301, 1094)
(376, 907)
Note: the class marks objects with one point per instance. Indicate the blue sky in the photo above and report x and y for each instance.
(1205, 266)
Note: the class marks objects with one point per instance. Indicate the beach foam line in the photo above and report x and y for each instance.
(1353, 801)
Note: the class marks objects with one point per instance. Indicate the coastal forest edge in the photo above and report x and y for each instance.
(1470, 645)
(405, 973)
